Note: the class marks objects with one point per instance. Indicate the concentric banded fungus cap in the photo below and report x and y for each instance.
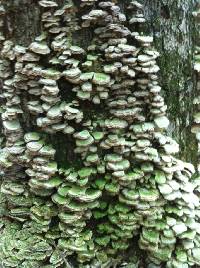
(115, 123)
(69, 218)
(50, 184)
(144, 39)
(121, 165)
(151, 236)
(54, 112)
(72, 74)
(98, 135)
(130, 194)
(148, 194)
(101, 79)
(34, 146)
(77, 50)
(47, 3)
(12, 126)
(161, 122)
(60, 200)
(86, 76)
(135, 5)
(77, 245)
(84, 195)
(85, 172)
(12, 188)
(37, 247)
(83, 135)
(31, 136)
(51, 74)
(113, 158)
(47, 151)
(39, 48)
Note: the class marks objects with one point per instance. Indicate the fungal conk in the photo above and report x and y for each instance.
(124, 192)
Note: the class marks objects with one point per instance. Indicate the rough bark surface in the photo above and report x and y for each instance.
(174, 33)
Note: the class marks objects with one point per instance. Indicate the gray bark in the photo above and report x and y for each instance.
(174, 31)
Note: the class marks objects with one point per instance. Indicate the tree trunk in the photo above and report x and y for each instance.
(175, 36)
(171, 24)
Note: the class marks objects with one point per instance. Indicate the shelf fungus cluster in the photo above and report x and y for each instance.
(89, 177)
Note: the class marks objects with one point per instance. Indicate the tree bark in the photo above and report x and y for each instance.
(175, 36)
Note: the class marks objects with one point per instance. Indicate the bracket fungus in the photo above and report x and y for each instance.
(127, 186)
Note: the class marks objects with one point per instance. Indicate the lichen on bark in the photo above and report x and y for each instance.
(175, 34)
